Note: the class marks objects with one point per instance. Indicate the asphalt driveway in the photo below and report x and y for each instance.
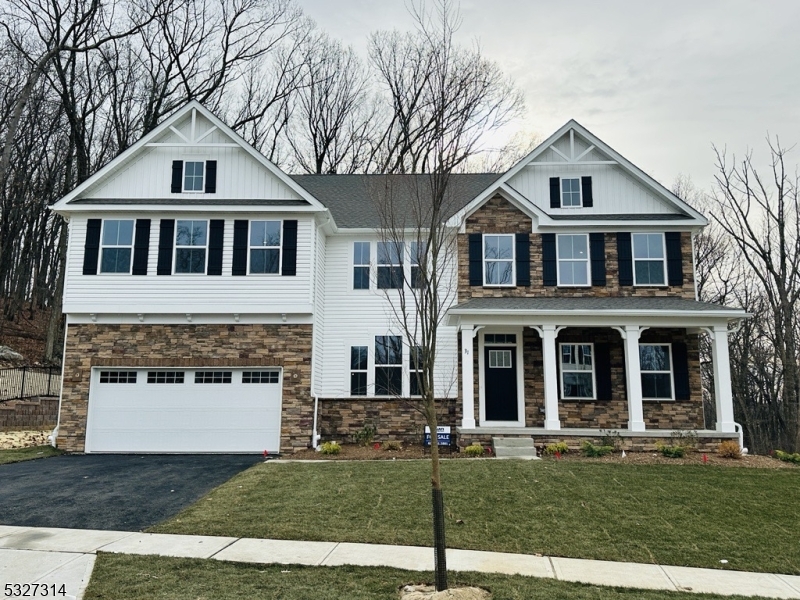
(110, 491)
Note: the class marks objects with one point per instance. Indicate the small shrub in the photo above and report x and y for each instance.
(474, 450)
(729, 449)
(331, 448)
(672, 451)
(611, 438)
(392, 446)
(788, 457)
(365, 435)
(685, 439)
(560, 447)
(589, 449)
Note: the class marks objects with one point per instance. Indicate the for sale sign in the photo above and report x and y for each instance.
(442, 435)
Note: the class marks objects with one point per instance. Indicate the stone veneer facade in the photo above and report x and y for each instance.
(92, 345)
(500, 216)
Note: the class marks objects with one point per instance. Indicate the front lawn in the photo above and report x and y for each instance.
(20, 454)
(677, 515)
(156, 578)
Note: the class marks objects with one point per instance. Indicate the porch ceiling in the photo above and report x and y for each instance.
(664, 311)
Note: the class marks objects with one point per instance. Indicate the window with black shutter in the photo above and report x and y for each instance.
(91, 248)
(216, 236)
(674, 258)
(141, 247)
(523, 257)
(549, 260)
(166, 240)
(597, 250)
(475, 259)
(289, 257)
(625, 258)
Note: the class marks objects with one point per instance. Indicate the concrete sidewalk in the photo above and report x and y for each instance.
(66, 556)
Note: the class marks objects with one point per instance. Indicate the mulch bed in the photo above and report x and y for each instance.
(355, 452)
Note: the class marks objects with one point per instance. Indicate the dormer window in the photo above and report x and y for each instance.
(571, 193)
(193, 176)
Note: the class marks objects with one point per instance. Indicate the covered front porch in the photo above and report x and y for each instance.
(559, 368)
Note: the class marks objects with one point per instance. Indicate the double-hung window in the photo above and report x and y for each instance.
(117, 246)
(193, 176)
(417, 259)
(191, 241)
(388, 365)
(649, 259)
(655, 362)
(498, 259)
(265, 246)
(358, 370)
(415, 370)
(390, 265)
(577, 371)
(361, 265)
(571, 192)
(573, 259)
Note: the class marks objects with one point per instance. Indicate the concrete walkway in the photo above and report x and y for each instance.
(66, 556)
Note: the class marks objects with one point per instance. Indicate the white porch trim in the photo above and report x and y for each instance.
(589, 432)
(722, 378)
(467, 390)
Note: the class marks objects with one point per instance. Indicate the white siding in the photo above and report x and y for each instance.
(613, 190)
(355, 317)
(152, 294)
(319, 308)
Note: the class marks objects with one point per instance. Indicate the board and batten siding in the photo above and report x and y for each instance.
(188, 293)
(613, 191)
(355, 317)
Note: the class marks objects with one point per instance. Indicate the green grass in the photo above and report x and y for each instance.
(20, 454)
(155, 578)
(677, 515)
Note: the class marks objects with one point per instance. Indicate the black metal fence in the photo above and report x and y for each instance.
(26, 382)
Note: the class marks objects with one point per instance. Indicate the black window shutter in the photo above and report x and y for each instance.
(91, 248)
(586, 188)
(602, 365)
(523, 259)
(680, 364)
(597, 252)
(216, 235)
(141, 247)
(625, 258)
(674, 257)
(240, 248)
(289, 257)
(549, 268)
(555, 192)
(165, 240)
(177, 176)
(475, 259)
(211, 177)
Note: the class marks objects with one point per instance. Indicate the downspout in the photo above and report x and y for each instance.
(314, 435)
(53, 437)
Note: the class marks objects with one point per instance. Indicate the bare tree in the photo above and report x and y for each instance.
(444, 98)
(760, 215)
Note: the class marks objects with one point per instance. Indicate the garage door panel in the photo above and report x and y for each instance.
(184, 417)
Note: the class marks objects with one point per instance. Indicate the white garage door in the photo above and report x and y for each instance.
(184, 410)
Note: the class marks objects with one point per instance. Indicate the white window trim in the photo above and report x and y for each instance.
(103, 246)
(353, 265)
(175, 248)
(562, 371)
(513, 260)
(401, 366)
(671, 375)
(587, 260)
(351, 370)
(561, 192)
(519, 332)
(411, 372)
(664, 260)
(403, 264)
(202, 189)
(251, 247)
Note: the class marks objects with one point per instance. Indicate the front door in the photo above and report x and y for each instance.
(500, 378)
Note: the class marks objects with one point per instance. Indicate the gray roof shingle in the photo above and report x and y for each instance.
(354, 199)
(588, 305)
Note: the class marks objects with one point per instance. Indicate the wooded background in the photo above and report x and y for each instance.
(82, 80)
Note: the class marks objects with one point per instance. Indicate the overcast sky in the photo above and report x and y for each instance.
(659, 81)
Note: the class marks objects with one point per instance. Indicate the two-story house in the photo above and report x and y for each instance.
(217, 304)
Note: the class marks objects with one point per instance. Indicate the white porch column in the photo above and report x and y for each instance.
(634, 378)
(467, 379)
(722, 379)
(551, 419)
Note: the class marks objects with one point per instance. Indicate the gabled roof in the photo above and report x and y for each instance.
(353, 199)
(687, 214)
(72, 200)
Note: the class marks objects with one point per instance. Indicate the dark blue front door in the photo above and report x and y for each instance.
(500, 378)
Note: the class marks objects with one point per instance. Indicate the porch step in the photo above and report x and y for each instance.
(514, 447)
